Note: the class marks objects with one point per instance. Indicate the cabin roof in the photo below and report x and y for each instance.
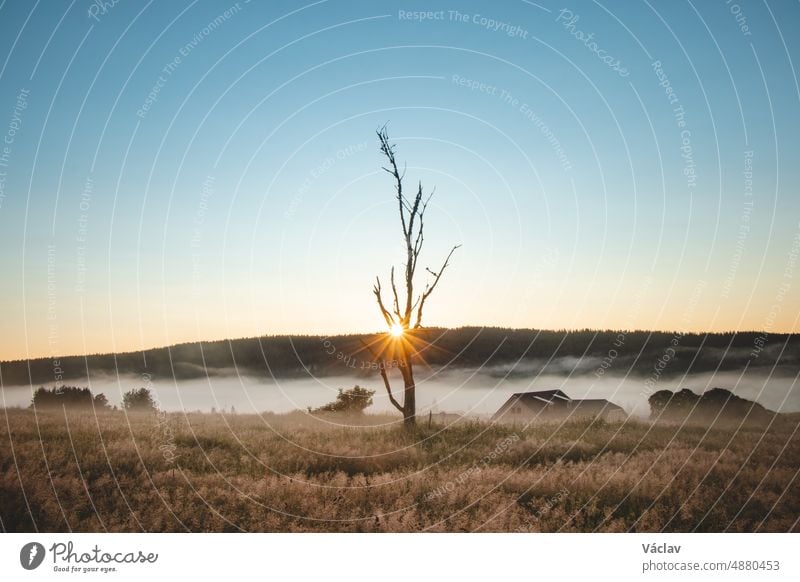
(596, 404)
(548, 395)
(536, 400)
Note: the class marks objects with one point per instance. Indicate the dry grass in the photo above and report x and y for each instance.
(202, 472)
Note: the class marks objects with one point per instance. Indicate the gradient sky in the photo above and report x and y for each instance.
(248, 199)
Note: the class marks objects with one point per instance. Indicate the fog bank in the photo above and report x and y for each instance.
(476, 392)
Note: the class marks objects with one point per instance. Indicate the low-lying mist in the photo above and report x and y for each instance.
(478, 392)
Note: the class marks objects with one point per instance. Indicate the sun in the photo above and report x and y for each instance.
(396, 330)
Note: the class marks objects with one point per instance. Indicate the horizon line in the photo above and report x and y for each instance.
(363, 333)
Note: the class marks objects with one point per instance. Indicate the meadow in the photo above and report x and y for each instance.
(113, 471)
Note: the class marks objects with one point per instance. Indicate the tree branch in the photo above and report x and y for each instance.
(387, 149)
(385, 312)
(420, 236)
(396, 300)
(431, 286)
(382, 367)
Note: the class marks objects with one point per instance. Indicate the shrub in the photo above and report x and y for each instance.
(354, 400)
(139, 400)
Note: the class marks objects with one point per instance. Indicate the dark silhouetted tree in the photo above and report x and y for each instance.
(713, 406)
(403, 312)
(139, 400)
(69, 397)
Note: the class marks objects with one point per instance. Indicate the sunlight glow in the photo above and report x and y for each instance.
(396, 330)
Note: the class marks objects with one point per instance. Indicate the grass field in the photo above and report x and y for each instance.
(295, 472)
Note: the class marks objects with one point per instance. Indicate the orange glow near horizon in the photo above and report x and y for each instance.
(396, 330)
(114, 323)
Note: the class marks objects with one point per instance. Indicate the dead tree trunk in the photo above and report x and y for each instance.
(407, 305)
(409, 395)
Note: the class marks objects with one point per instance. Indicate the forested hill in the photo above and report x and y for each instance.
(516, 352)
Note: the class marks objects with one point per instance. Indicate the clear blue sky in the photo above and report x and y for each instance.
(180, 172)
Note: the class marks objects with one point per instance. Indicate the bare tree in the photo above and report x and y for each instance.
(406, 304)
